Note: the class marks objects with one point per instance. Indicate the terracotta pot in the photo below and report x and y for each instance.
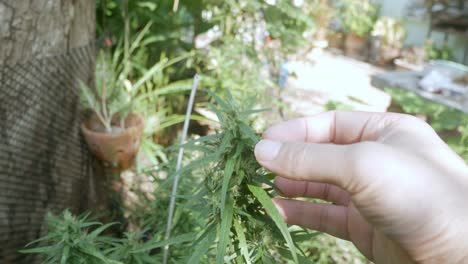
(336, 40)
(355, 45)
(117, 149)
(388, 54)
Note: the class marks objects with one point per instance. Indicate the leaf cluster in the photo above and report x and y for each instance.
(69, 240)
(78, 239)
(358, 16)
(242, 225)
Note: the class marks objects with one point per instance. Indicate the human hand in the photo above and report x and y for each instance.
(399, 193)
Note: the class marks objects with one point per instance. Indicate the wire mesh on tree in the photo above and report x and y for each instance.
(43, 160)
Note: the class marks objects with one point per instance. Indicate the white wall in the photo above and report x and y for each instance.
(418, 29)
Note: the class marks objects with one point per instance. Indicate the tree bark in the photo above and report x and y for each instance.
(46, 48)
(38, 28)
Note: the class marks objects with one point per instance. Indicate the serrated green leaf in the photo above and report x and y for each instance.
(266, 179)
(287, 255)
(226, 141)
(65, 255)
(202, 246)
(304, 237)
(38, 250)
(218, 113)
(99, 230)
(270, 208)
(225, 230)
(242, 241)
(218, 100)
(267, 260)
(199, 163)
(172, 241)
(248, 132)
(47, 237)
(228, 171)
(255, 111)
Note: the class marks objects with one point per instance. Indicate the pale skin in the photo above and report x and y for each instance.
(396, 190)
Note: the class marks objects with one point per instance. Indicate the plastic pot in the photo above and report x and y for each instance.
(116, 149)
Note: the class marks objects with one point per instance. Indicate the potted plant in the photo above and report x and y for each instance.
(336, 35)
(389, 35)
(113, 132)
(322, 12)
(358, 19)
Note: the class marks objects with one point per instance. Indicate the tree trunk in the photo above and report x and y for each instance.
(46, 47)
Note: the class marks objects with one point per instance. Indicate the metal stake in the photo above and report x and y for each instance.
(196, 79)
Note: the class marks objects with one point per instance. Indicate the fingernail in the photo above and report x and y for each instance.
(267, 150)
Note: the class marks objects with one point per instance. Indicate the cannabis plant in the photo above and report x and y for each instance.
(242, 225)
(72, 239)
(78, 239)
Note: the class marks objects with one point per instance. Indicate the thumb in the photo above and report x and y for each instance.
(343, 165)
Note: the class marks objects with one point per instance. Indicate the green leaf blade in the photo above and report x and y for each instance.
(270, 208)
(226, 224)
(202, 246)
(172, 241)
(242, 241)
(228, 171)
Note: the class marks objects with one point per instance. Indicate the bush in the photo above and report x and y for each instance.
(358, 16)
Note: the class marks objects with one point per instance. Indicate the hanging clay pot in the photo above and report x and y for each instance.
(117, 149)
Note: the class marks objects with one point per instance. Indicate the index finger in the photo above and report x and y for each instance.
(338, 127)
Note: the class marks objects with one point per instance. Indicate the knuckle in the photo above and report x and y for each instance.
(358, 159)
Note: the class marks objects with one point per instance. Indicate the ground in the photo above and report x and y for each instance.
(324, 79)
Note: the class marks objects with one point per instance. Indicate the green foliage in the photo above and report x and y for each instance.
(325, 249)
(438, 53)
(440, 117)
(462, 146)
(237, 211)
(233, 67)
(70, 240)
(123, 84)
(109, 97)
(241, 27)
(77, 239)
(322, 12)
(451, 124)
(336, 105)
(358, 16)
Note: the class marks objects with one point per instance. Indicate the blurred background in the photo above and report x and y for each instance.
(74, 74)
